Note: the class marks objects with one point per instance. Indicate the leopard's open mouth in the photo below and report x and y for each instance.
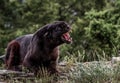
(66, 38)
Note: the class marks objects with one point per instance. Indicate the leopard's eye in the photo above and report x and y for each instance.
(64, 25)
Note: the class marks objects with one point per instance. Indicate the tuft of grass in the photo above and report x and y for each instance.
(95, 72)
(75, 70)
(43, 76)
(88, 72)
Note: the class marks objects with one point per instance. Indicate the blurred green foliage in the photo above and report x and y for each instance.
(95, 24)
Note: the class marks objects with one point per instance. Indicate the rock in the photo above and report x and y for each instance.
(115, 60)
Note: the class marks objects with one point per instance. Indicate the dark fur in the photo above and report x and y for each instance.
(38, 49)
(12, 58)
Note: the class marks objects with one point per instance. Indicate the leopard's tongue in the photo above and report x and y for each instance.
(67, 37)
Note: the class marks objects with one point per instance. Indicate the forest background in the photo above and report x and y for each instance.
(95, 24)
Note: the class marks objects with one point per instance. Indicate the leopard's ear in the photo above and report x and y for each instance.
(42, 31)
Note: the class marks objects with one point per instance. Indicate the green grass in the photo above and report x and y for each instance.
(93, 72)
(73, 71)
(88, 72)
